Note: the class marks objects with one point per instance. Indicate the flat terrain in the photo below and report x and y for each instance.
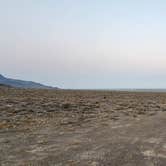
(93, 128)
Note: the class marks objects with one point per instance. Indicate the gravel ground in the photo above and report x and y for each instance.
(66, 127)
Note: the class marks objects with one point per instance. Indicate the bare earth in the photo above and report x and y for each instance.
(93, 128)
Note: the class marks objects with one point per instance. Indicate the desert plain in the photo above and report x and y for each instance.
(82, 128)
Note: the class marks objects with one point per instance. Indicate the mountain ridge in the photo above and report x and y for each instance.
(16, 83)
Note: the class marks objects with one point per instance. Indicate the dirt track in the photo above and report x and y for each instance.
(82, 128)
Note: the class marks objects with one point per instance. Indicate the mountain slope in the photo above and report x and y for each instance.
(22, 84)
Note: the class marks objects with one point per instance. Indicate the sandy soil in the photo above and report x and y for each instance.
(60, 127)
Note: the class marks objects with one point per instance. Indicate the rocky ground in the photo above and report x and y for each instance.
(64, 127)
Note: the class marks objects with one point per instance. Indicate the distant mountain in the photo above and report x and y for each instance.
(22, 84)
(5, 86)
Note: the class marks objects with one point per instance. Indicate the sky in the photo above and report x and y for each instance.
(84, 44)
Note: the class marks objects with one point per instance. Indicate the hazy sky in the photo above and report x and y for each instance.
(84, 43)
